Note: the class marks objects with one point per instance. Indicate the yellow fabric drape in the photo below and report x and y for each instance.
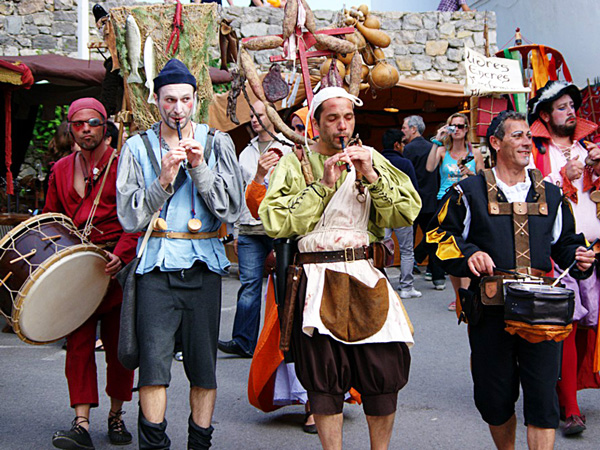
(539, 63)
(443, 212)
(448, 249)
(433, 237)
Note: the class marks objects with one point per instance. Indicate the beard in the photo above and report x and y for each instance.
(89, 145)
(563, 130)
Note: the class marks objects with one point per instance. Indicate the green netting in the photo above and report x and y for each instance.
(199, 33)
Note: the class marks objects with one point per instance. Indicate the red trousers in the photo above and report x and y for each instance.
(567, 385)
(80, 367)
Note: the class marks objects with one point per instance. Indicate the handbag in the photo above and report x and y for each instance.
(128, 350)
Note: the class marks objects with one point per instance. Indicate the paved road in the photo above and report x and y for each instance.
(436, 410)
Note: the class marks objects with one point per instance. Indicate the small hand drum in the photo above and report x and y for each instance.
(52, 278)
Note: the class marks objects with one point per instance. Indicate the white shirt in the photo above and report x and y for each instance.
(249, 163)
(516, 193)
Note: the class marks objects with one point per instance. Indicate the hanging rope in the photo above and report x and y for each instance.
(177, 29)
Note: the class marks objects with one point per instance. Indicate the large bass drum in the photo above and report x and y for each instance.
(52, 278)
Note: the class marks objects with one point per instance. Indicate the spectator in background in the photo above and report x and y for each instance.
(454, 5)
(392, 144)
(252, 245)
(456, 159)
(416, 150)
(112, 133)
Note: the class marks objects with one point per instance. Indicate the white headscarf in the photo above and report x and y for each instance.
(326, 94)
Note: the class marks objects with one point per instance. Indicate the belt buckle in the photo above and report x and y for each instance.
(347, 254)
(168, 234)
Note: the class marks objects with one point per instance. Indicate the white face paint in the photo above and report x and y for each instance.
(176, 102)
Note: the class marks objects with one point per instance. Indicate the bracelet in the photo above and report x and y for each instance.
(436, 142)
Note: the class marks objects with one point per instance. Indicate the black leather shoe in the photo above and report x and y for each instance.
(574, 425)
(77, 438)
(232, 348)
(117, 432)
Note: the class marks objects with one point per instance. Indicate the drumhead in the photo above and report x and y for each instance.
(61, 294)
(539, 289)
(30, 223)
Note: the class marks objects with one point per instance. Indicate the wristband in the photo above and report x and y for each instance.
(436, 142)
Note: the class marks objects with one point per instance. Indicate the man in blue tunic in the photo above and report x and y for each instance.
(179, 168)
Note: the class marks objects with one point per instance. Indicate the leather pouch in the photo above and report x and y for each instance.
(294, 274)
(383, 253)
(471, 307)
(492, 290)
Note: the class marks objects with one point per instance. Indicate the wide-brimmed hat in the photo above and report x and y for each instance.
(553, 90)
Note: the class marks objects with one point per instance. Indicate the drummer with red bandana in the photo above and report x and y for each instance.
(74, 185)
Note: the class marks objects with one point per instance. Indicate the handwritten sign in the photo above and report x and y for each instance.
(487, 76)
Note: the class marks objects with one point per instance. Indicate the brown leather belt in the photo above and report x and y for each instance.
(183, 235)
(349, 254)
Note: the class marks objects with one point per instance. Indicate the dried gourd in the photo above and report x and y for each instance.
(372, 22)
(376, 37)
(383, 76)
(340, 67)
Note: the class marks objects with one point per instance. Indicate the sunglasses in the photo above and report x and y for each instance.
(78, 125)
(460, 126)
(300, 128)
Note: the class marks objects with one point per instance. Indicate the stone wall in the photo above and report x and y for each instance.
(426, 46)
(32, 27)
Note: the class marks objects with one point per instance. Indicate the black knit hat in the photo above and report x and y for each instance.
(174, 72)
(553, 90)
(491, 131)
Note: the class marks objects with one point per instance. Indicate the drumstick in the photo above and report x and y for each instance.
(344, 150)
(564, 274)
(515, 273)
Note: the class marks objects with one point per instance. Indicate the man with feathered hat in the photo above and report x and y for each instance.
(572, 163)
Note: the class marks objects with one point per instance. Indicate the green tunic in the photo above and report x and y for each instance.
(291, 208)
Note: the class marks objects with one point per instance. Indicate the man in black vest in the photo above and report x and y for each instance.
(472, 235)
(416, 150)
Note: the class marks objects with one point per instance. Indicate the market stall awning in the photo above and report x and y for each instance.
(406, 96)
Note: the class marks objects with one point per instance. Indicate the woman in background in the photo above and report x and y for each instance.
(456, 159)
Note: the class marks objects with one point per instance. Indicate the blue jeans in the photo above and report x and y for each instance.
(252, 252)
(404, 235)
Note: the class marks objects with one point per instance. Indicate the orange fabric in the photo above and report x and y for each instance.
(569, 190)
(267, 357)
(255, 193)
(302, 113)
(539, 63)
(538, 333)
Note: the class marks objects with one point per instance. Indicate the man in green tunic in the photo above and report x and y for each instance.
(350, 329)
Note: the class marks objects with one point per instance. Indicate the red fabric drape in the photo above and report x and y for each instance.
(26, 81)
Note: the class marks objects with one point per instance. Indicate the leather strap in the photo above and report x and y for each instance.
(184, 235)
(347, 255)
